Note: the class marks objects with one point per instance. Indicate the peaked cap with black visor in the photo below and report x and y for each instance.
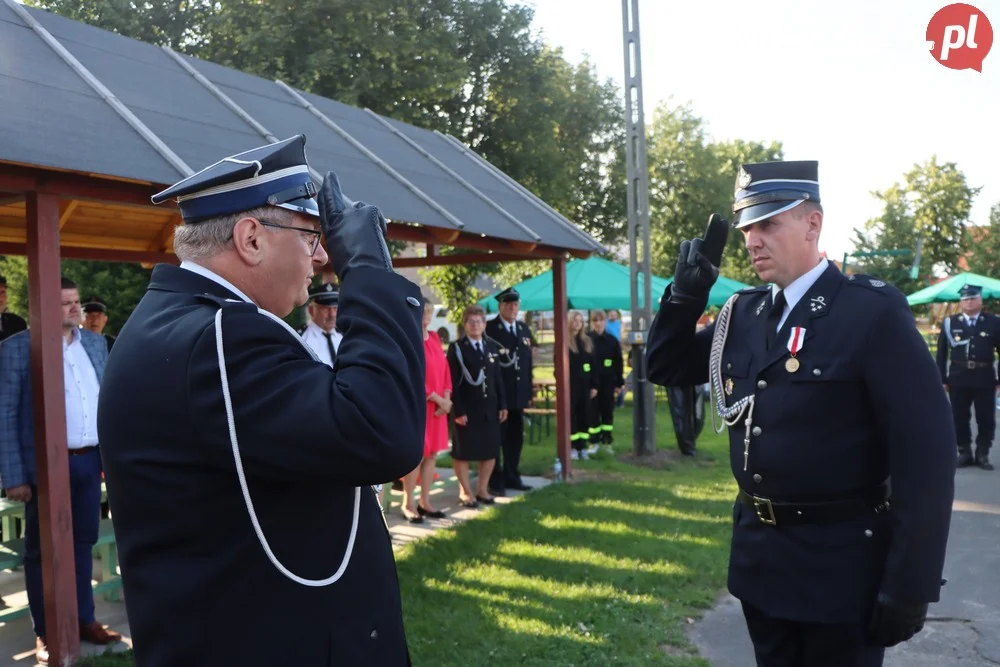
(272, 175)
(765, 189)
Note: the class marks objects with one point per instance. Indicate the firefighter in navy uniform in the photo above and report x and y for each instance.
(239, 465)
(840, 434)
(971, 338)
(610, 379)
(515, 340)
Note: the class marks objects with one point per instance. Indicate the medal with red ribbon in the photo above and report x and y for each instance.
(795, 341)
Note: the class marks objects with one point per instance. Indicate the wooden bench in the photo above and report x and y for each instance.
(12, 557)
(534, 417)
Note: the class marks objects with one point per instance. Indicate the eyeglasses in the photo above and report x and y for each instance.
(314, 234)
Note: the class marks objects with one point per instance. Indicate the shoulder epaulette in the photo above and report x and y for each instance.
(871, 282)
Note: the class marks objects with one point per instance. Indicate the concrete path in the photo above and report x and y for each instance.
(963, 629)
(17, 640)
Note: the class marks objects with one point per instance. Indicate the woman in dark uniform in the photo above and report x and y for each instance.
(479, 406)
(582, 383)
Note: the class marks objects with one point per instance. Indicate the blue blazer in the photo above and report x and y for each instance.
(17, 421)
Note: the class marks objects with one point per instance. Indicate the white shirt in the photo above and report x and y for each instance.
(215, 277)
(798, 288)
(315, 338)
(509, 326)
(82, 390)
(970, 320)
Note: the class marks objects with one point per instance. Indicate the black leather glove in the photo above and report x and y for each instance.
(894, 621)
(354, 231)
(698, 263)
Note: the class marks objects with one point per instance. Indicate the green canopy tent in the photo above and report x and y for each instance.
(947, 290)
(598, 283)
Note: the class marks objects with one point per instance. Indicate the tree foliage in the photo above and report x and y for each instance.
(932, 203)
(690, 177)
(983, 256)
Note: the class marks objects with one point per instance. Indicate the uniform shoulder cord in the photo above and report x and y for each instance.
(466, 375)
(732, 414)
(242, 476)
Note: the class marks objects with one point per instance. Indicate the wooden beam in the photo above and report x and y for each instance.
(560, 355)
(443, 236)
(581, 254)
(7, 200)
(431, 250)
(67, 185)
(522, 246)
(470, 258)
(66, 209)
(165, 239)
(55, 516)
(98, 254)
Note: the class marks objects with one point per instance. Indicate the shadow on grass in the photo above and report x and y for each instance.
(579, 574)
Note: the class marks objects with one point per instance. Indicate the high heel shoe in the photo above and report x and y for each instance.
(430, 514)
(412, 518)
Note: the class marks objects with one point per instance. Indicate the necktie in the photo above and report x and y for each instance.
(329, 345)
(774, 316)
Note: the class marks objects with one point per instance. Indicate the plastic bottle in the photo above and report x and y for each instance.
(557, 470)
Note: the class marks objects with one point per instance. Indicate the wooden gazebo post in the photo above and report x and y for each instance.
(560, 354)
(55, 518)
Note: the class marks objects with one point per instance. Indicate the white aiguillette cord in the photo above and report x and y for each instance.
(732, 414)
(243, 481)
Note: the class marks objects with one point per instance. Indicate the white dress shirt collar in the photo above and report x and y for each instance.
(798, 288)
(214, 277)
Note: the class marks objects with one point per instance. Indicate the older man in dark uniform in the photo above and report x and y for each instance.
(239, 466)
(840, 433)
(515, 341)
(95, 318)
(971, 338)
(321, 333)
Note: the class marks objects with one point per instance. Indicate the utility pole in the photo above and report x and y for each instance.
(638, 232)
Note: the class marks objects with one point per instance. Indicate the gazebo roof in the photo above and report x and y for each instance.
(83, 104)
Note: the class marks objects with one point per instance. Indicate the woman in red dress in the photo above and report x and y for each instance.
(438, 391)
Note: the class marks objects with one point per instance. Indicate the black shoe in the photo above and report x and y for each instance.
(436, 514)
(484, 500)
(413, 518)
(520, 486)
(983, 461)
(470, 504)
(965, 459)
(499, 491)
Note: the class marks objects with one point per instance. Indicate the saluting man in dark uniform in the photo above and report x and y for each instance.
(321, 333)
(516, 342)
(971, 337)
(239, 466)
(840, 435)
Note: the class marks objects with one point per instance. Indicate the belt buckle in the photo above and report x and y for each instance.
(971, 365)
(760, 504)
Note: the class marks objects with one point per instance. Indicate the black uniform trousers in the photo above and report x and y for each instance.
(962, 400)
(507, 472)
(579, 410)
(783, 643)
(602, 423)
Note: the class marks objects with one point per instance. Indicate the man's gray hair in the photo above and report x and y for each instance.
(210, 237)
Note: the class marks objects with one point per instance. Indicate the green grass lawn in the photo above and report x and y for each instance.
(603, 571)
(606, 570)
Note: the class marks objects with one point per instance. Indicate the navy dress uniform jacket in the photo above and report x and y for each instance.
(974, 344)
(865, 405)
(516, 360)
(200, 590)
(479, 439)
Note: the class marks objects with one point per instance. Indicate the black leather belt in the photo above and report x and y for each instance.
(972, 365)
(773, 512)
(82, 450)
